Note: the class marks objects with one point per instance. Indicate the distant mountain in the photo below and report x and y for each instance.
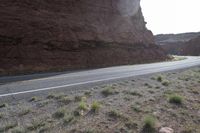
(180, 44)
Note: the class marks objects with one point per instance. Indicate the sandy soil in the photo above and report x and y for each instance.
(121, 107)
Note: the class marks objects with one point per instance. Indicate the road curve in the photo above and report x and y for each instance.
(28, 84)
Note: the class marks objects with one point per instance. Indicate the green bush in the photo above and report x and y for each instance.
(18, 130)
(82, 105)
(65, 100)
(33, 99)
(95, 106)
(67, 119)
(159, 78)
(107, 91)
(36, 124)
(3, 105)
(114, 114)
(149, 124)
(60, 113)
(165, 83)
(176, 99)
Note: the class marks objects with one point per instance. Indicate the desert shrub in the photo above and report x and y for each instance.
(159, 78)
(24, 111)
(8, 126)
(149, 124)
(1, 115)
(3, 105)
(65, 100)
(60, 113)
(33, 99)
(136, 108)
(51, 96)
(68, 119)
(78, 98)
(82, 105)
(88, 93)
(95, 106)
(108, 91)
(18, 130)
(36, 124)
(114, 114)
(165, 83)
(176, 99)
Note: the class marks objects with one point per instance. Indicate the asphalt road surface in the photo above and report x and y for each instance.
(37, 84)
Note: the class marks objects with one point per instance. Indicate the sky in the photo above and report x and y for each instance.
(171, 16)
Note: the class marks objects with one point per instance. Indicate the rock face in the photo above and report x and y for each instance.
(37, 35)
(180, 44)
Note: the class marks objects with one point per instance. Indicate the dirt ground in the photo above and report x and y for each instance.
(121, 107)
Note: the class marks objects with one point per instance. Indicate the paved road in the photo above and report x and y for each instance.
(43, 83)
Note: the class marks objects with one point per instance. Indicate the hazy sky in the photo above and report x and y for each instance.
(172, 16)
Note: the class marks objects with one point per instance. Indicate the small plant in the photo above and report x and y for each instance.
(68, 119)
(133, 93)
(151, 91)
(36, 124)
(18, 130)
(24, 112)
(76, 113)
(159, 78)
(114, 114)
(51, 96)
(88, 93)
(59, 96)
(176, 99)
(33, 99)
(131, 124)
(148, 85)
(190, 128)
(82, 105)
(168, 92)
(78, 98)
(43, 103)
(149, 124)
(157, 87)
(45, 128)
(95, 106)
(1, 115)
(136, 108)
(84, 99)
(8, 126)
(165, 83)
(127, 98)
(3, 105)
(107, 91)
(60, 113)
(65, 100)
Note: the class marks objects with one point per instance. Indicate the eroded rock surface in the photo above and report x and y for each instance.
(180, 44)
(38, 35)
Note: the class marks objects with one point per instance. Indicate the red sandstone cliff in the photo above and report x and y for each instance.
(192, 47)
(180, 44)
(37, 35)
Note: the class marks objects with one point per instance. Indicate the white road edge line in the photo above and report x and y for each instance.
(62, 86)
(80, 83)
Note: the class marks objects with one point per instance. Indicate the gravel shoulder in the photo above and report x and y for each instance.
(171, 99)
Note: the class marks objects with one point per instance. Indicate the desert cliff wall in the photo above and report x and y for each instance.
(180, 44)
(37, 35)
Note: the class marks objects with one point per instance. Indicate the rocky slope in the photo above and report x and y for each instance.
(180, 44)
(192, 47)
(72, 34)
